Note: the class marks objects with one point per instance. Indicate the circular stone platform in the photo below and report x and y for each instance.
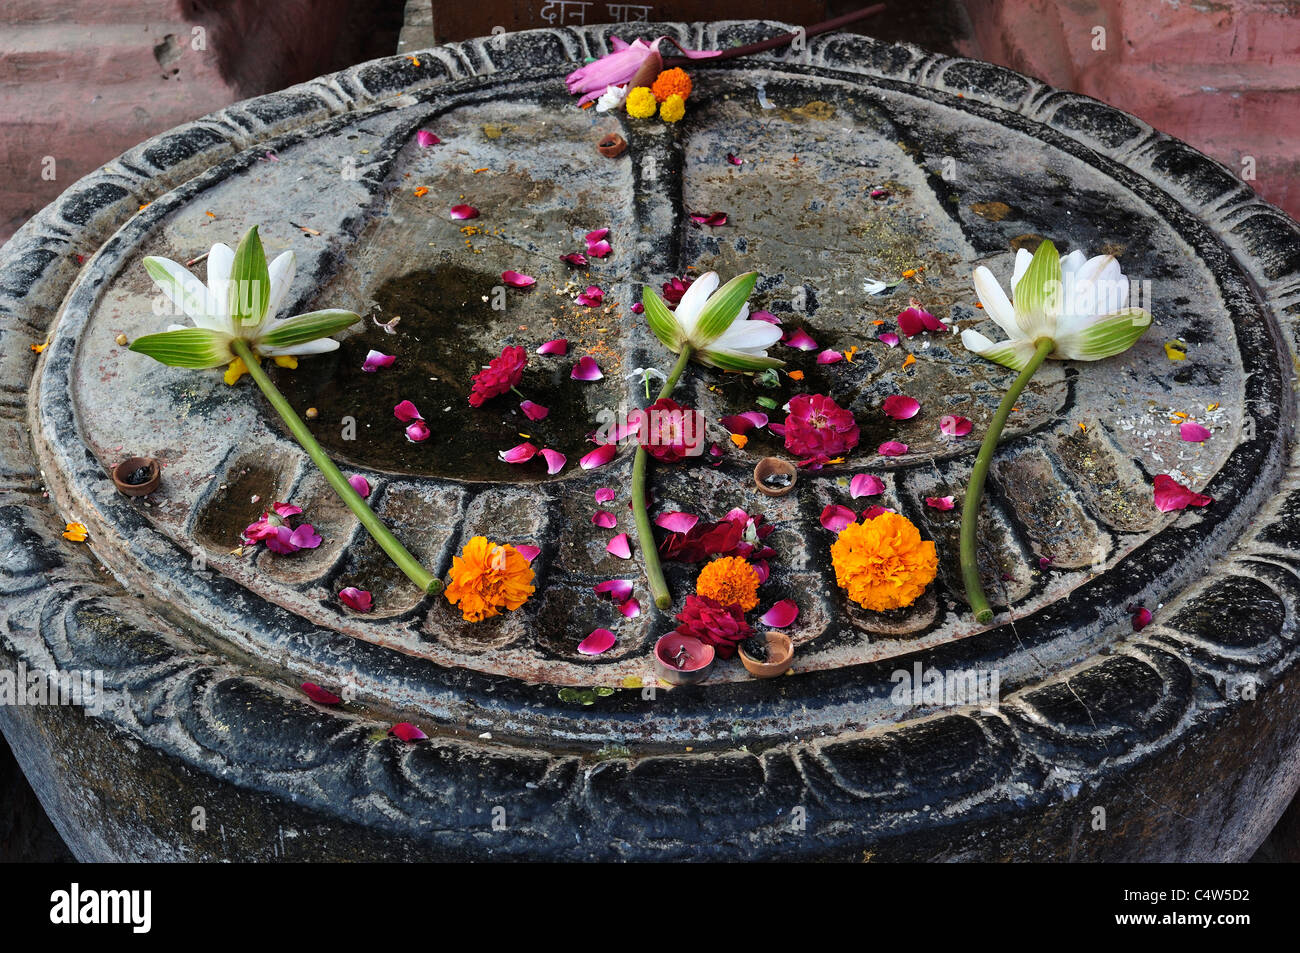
(1184, 734)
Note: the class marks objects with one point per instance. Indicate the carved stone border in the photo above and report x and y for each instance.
(1156, 732)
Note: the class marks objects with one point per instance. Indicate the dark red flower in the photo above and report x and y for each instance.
(668, 431)
(818, 428)
(499, 376)
(737, 534)
(675, 288)
(723, 627)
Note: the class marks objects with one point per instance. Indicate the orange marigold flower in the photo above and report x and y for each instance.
(883, 563)
(670, 82)
(76, 532)
(731, 581)
(486, 577)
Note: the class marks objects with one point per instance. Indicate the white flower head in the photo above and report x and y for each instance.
(1079, 303)
(715, 323)
(612, 98)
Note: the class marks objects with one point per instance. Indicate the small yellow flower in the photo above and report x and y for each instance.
(883, 563)
(730, 580)
(641, 103)
(76, 532)
(673, 109)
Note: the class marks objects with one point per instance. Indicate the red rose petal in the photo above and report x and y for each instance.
(593, 297)
(426, 139)
(1172, 495)
(901, 407)
(889, 338)
(599, 457)
(360, 484)
(575, 259)
(604, 495)
(744, 423)
(836, 517)
(604, 519)
(871, 512)
(405, 411)
(630, 609)
(463, 211)
(517, 279)
(555, 460)
(620, 590)
(534, 411)
(359, 600)
(598, 249)
(954, 426)
(518, 454)
(618, 546)
(892, 448)
(1141, 617)
(375, 360)
(586, 369)
(711, 218)
(417, 431)
(560, 347)
(407, 732)
(735, 160)
(319, 695)
(600, 640)
(781, 614)
(596, 235)
(829, 356)
(677, 522)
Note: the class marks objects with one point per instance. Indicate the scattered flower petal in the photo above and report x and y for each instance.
(801, 340)
(559, 347)
(781, 614)
(618, 546)
(463, 211)
(912, 321)
(599, 457)
(1172, 495)
(534, 411)
(600, 640)
(360, 484)
(604, 495)
(767, 316)
(711, 218)
(864, 484)
(620, 590)
(1141, 617)
(529, 552)
(426, 139)
(518, 454)
(595, 236)
(593, 297)
(743, 423)
(735, 160)
(598, 249)
(575, 259)
(1193, 433)
(586, 369)
(375, 360)
(829, 356)
(320, 695)
(677, 522)
(889, 339)
(405, 412)
(892, 448)
(630, 609)
(836, 517)
(555, 462)
(517, 279)
(954, 426)
(407, 732)
(604, 519)
(359, 600)
(939, 502)
(417, 431)
(871, 512)
(901, 407)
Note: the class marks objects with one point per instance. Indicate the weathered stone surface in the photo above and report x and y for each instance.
(201, 664)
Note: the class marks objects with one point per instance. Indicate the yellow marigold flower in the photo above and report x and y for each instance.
(730, 580)
(672, 82)
(76, 532)
(673, 109)
(486, 577)
(641, 103)
(883, 563)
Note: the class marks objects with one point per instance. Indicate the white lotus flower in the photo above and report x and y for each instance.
(714, 322)
(238, 302)
(1080, 304)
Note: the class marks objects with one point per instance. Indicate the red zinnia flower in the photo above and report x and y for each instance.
(668, 431)
(499, 376)
(818, 428)
(723, 627)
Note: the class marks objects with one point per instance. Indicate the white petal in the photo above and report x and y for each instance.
(318, 346)
(281, 271)
(183, 289)
(1071, 263)
(996, 303)
(747, 335)
(693, 301)
(221, 260)
(1023, 258)
(1013, 354)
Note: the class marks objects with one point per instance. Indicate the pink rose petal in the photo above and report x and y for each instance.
(596, 235)
(954, 426)
(1141, 617)
(560, 347)
(518, 454)
(407, 732)
(358, 599)
(285, 510)
(1193, 433)
(618, 546)
(534, 411)
(598, 249)
(426, 139)
(939, 502)
(600, 640)
(593, 297)
(417, 431)
(892, 448)
(745, 422)
(604, 495)
(767, 316)
(801, 340)
(735, 160)
(575, 259)
(375, 360)
(912, 321)
(360, 484)
(763, 569)
(304, 537)
(711, 218)
(1172, 495)
(637, 308)
(864, 484)
(620, 590)
(630, 609)
(901, 407)
(527, 551)
(555, 460)
(871, 512)
(829, 356)
(517, 279)
(405, 411)
(889, 338)
(586, 369)
(599, 457)
(781, 614)
(463, 211)
(604, 519)
(677, 521)
(320, 695)
(836, 517)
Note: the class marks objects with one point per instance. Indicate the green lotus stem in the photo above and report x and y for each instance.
(389, 543)
(975, 490)
(645, 535)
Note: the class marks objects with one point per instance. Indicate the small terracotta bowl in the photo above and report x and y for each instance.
(780, 655)
(127, 467)
(775, 466)
(611, 146)
(696, 668)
